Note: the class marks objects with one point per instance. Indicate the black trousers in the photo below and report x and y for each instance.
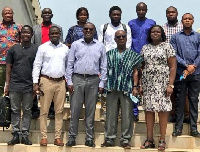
(192, 85)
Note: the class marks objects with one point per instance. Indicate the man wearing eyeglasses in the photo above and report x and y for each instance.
(107, 36)
(86, 75)
(122, 79)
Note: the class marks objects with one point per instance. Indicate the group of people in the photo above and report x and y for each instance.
(122, 61)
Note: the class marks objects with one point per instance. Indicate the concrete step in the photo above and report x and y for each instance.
(183, 142)
(99, 126)
(81, 148)
(98, 113)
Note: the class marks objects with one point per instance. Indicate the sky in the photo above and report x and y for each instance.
(65, 10)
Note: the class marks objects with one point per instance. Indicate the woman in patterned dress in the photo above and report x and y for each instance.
(158, 74)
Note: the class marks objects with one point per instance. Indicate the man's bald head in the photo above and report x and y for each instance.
(7, 14)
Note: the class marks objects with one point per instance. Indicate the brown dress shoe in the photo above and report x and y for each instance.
(43, 142)
(58, 142)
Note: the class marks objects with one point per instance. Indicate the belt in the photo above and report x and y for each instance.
(86, 75)
(53, 79)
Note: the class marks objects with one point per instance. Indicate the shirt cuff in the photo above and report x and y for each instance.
(35, 80)
(69, 82)
(101, 84)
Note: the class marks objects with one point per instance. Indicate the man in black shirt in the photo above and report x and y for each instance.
(19, 86)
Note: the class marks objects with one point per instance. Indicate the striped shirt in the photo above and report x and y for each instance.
(120, 70)
(87, 58)
(171, 30)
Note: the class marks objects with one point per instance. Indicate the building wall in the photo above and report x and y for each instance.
(36, 5)
(24, 12)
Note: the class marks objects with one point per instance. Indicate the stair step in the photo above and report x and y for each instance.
(98, 113)
(81, 148)
(99, 126)
(184, 141)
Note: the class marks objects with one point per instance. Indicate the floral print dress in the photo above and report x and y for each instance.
(155, 76)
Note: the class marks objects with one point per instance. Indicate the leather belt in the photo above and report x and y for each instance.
(86, 75)
(53, 79)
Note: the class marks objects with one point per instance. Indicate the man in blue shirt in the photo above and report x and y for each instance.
(139, 29)
(86, 76)
(187, 46)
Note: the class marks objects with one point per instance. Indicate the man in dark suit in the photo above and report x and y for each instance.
(40, 36)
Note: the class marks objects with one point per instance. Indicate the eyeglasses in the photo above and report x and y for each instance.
(121, 36)
(90, 29)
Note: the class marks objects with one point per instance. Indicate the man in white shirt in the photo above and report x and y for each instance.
(107, 36)
(107, 31)
(48, 77)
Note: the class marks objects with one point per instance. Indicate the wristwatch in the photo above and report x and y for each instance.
(171, 85)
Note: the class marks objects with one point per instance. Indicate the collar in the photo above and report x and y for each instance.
(191, 33)
(59, 44)
(178, 23)
(93, 41)
(3, 22)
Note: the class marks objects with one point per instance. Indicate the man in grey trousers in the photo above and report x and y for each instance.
(122, 79)
(86, 75)
(19, 85)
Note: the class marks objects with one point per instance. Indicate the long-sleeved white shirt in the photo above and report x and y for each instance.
(51, 60)
(109, 37)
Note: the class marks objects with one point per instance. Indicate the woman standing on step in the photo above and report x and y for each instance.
(158, 74)
(76, 32)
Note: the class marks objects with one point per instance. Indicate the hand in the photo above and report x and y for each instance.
(71, 89)
(101, 90)
(135, 91)
(6, 90)
(185, 74)
(191, 68)
(36, 89)
(140, 90)
(169, 91)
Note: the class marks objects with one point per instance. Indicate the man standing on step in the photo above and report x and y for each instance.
(19, 84)
(119, 88)
(187, 46)
(172, 27)
(40, 36)
(48, 76)
(139, 29)
(86, 75)
(107, 36)
(9, 36)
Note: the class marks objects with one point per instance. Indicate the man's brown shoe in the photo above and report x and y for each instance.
(43, 142)
(58, 142)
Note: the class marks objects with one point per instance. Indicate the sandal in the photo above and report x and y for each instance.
(148, 144)
(161, 145)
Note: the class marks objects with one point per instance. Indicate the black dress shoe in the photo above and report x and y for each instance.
(89, 143)
(26, 141)
(15, 139)
(126, 146)
(177, 132)
(195, 133)
(70, 143)
(106, 144)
